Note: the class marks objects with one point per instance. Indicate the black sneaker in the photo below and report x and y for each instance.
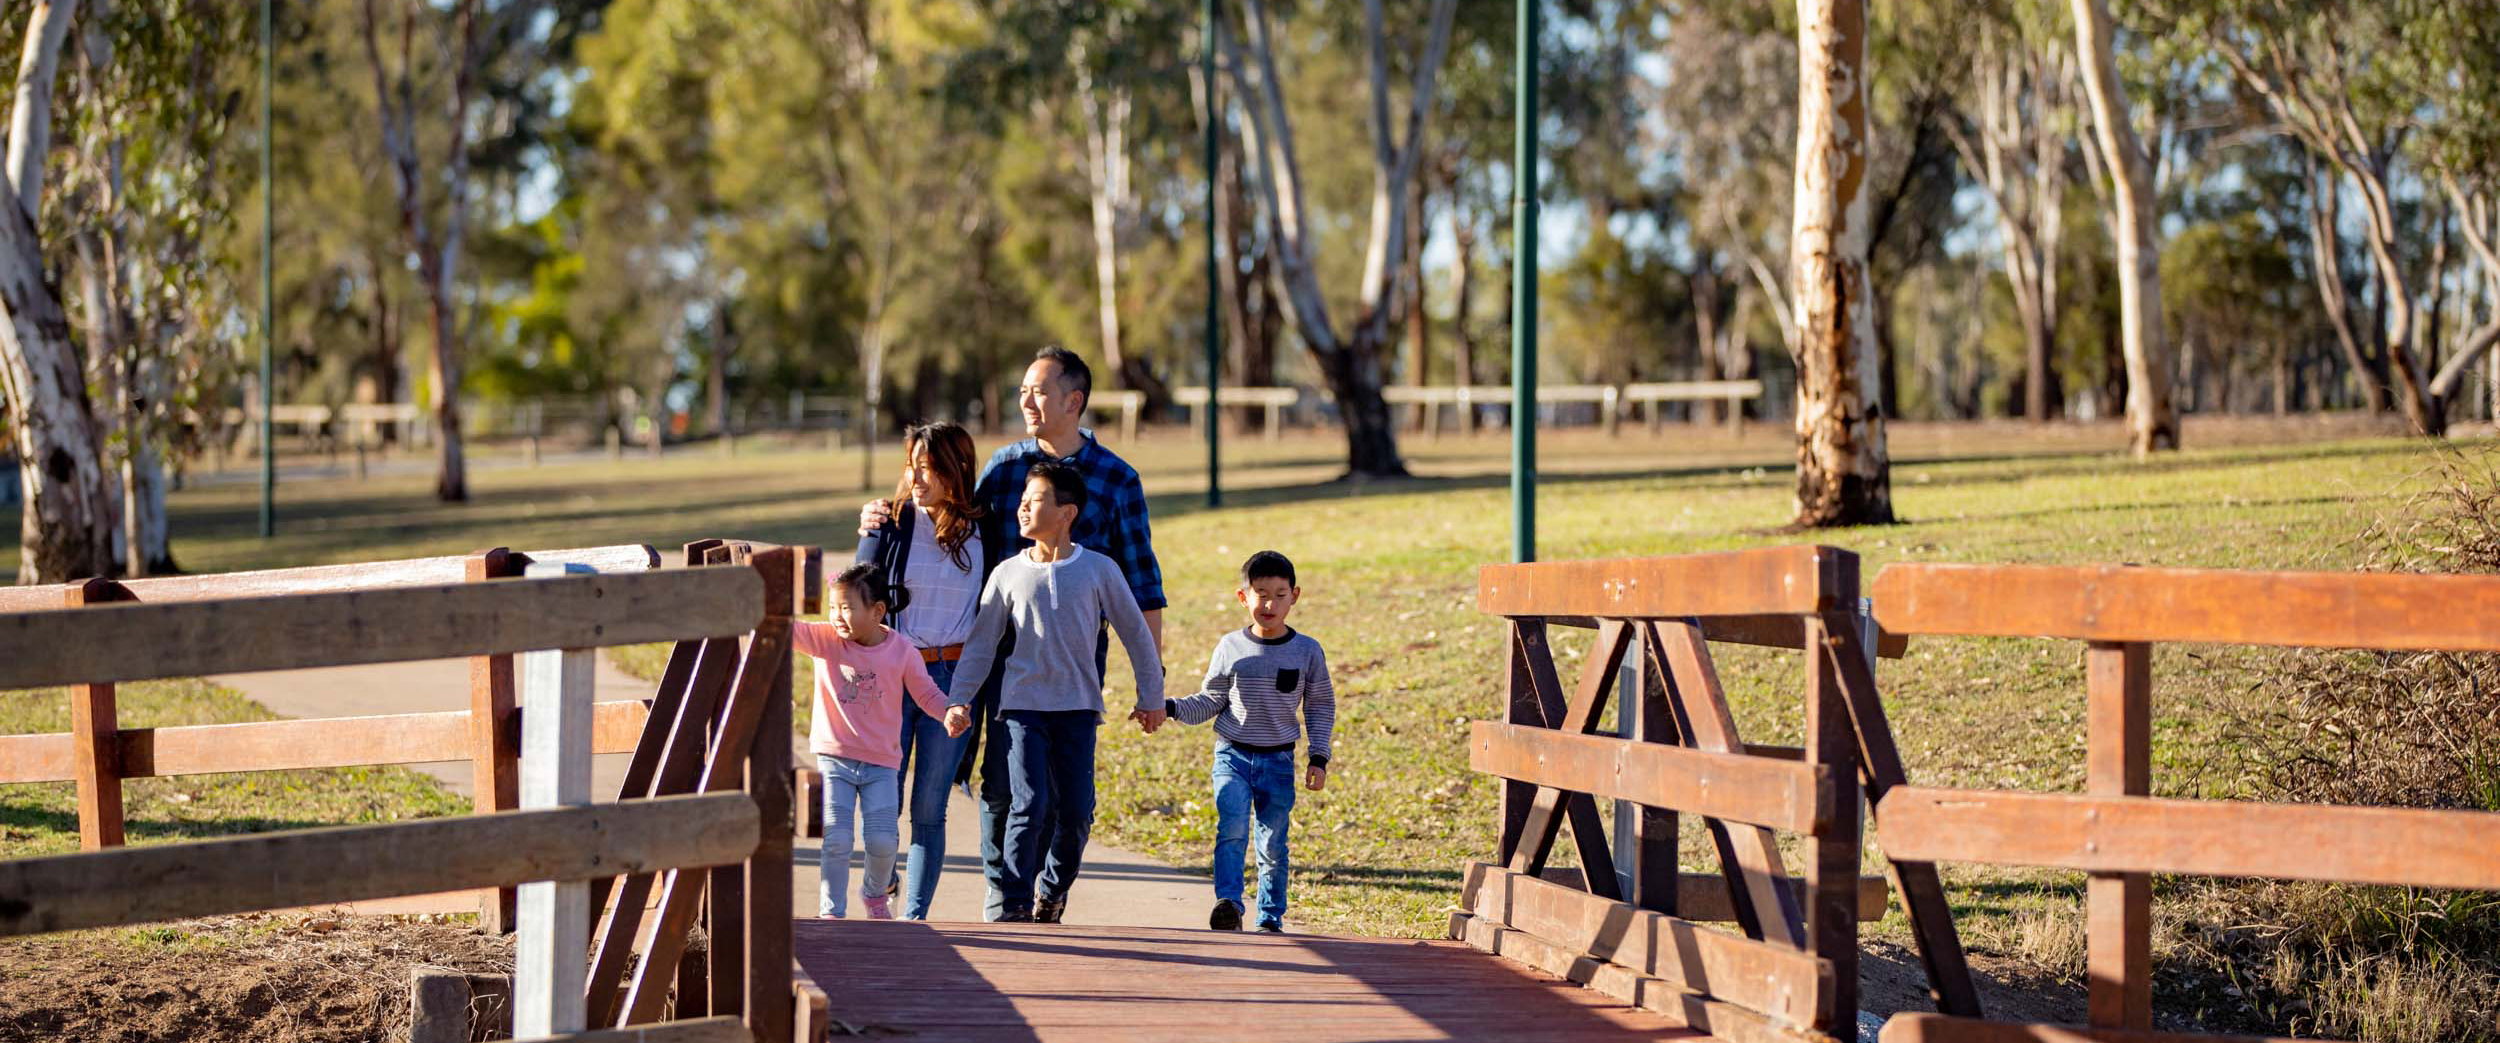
(1014, 916)
(1049, 910)
(1271, 928)
(1226, 917)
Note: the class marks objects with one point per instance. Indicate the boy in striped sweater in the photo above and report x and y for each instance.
(1266, 686)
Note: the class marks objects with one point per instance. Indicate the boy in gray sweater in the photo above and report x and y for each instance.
(1267, 686)
(1051, 601)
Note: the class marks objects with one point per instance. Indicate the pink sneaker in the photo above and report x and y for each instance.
(878, 909)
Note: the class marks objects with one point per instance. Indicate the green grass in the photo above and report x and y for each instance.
(1388, 572)
(42, 818)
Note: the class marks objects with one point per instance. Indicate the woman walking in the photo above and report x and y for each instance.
(930, 549)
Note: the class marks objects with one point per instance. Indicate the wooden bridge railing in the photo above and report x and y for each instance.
(720, 724)
(1632, 930)
(2115, 830)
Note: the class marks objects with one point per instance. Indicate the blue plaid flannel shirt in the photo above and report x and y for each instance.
(1113, 522)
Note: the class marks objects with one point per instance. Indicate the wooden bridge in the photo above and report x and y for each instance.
(663, 915)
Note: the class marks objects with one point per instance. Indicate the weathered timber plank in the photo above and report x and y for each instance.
(375, 626)
(1940, 1028)
(2222, 606)
(1723, 1021)
(1771, 581)
(355, 863)
(1776, 631)
(1761, 976)
(696, 1030)
(1949, 982)
(2397, 846)
(1779, 794)
(1703, 897)
(94, 724)
(1833, 854)
(1577, 716)
(322, 579)
(1749, 856)
(327, 742)
(495, 735)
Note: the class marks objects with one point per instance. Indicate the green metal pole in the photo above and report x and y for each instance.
(1215, 338)
(1523, 289)
(268, 373)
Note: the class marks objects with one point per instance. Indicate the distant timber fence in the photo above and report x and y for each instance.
(703, 818)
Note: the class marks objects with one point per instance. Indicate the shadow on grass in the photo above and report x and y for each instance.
(17, 817)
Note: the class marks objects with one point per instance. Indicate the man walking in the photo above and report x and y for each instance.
(1112, 523)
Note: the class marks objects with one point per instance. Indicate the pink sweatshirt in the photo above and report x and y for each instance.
(859, 693)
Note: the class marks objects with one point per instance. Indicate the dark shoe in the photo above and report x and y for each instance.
(1049, 910)
(1226, 917)
(1014, 916)
(1271, 928)
(894, 884)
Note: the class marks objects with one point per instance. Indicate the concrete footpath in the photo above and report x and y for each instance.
(1116, 889)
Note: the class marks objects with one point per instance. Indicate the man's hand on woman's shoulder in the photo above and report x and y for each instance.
(874, 514)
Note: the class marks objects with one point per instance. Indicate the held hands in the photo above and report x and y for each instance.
(873, 515)
(1315, 778)
(1148, 719)
(958, 721)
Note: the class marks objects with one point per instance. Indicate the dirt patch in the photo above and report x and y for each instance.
(286, 978)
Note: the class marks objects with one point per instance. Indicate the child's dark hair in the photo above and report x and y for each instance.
(866, 578)
(1067, 488)
(1268, 564)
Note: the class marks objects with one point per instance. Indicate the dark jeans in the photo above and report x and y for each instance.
(996, 795)
(1050, 814)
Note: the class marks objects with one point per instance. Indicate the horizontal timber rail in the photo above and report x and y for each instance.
(326, 742)
(705, 806)
(2116, 831)
(355, 863)
(320, 579)
(1626, 927)
(231, 635)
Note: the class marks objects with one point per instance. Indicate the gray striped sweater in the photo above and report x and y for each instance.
(1263, 692)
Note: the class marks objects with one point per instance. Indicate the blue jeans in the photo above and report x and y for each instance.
(877, 790)
(996, 795)
(1253, 787)
(929, 759)
(1050, 812)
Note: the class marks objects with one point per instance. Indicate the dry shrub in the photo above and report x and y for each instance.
(2374, 728)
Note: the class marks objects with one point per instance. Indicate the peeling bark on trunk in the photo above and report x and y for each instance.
(1844, 476)
(2151, 422)
(68, 525)
(1350, 360)
(436, 260)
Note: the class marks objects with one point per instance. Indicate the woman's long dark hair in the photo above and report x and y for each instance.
(950, 462)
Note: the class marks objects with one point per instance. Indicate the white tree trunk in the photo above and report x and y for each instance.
(67, 526)
(1106, 178)
(1844, 475)
(2151, 423)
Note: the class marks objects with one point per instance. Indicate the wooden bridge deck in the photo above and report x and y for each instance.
(1026, 982)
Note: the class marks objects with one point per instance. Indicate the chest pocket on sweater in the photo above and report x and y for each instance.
(1288, 679)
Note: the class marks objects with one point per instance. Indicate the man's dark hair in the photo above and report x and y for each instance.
(1067, 488)
(1074, 374)
(1268, 564)
(868, 579)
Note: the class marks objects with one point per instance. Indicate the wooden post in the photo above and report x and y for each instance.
(2118, 911)
(554, 918)
(494, 744)
(95, 737)
(1645, 837)
(768, 886)
(1523, 709)
(1832, 872)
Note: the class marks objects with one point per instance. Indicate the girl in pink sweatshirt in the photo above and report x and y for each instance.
(863, 673)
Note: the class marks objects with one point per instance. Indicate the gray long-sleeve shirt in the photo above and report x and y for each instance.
(1256, 687)
(1055, 610)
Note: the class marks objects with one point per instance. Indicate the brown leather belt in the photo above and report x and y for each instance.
(942, 654)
